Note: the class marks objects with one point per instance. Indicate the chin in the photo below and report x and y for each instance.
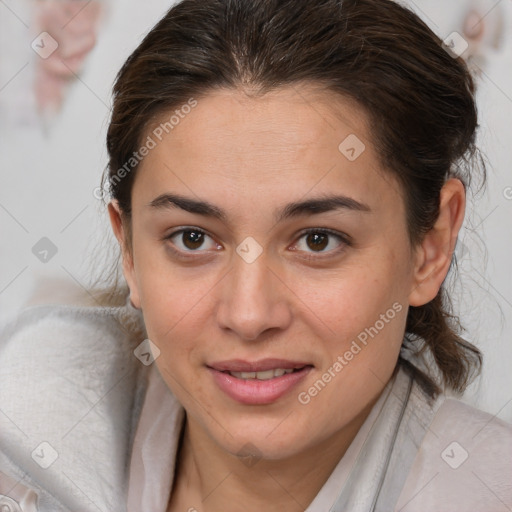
(266, 439)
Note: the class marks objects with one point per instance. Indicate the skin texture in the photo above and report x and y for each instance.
(251, 156)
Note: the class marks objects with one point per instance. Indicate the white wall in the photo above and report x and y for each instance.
(48, 178)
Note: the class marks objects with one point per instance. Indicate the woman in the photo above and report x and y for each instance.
(287, 185)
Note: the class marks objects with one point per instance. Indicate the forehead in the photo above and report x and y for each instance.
(292, 118)
(283, 144)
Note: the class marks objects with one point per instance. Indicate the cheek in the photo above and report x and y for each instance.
(170, 296)
(173, 317)
(354, 297)
(366, 315)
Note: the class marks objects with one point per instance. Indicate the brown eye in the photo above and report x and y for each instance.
(323, 242)
(317, 241)
(191, 240)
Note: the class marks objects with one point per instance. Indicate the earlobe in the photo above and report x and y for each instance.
(434, 254)
(118, 228)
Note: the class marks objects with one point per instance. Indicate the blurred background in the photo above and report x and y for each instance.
(58, 60)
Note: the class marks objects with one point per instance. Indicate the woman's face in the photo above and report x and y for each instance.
(228, 279)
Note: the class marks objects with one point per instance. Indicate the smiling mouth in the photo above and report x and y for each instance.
(258, 383)
(263, 375)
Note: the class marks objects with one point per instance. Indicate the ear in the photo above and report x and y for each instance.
(118, 227)
(434, 254)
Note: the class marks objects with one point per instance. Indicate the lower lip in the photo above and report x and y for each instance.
(258, 392)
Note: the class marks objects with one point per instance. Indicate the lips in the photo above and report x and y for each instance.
(239, 365)
(251, 383)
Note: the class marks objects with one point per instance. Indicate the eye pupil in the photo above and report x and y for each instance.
(195, 238)
(319, 240)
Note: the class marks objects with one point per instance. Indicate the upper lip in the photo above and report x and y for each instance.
(239, 365)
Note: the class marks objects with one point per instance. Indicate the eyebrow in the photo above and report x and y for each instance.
(310, 206)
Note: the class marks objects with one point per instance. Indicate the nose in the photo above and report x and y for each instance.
(254, 299)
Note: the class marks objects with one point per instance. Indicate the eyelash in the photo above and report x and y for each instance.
(345, 239)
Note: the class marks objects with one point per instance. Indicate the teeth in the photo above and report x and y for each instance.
(266, 375)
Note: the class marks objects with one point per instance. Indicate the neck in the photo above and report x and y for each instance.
(217, 480)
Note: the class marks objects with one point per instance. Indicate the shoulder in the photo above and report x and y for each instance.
(69, 388)
(58, 349)
(464, 463)
(49, 320)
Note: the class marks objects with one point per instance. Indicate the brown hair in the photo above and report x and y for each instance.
(419, 98)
